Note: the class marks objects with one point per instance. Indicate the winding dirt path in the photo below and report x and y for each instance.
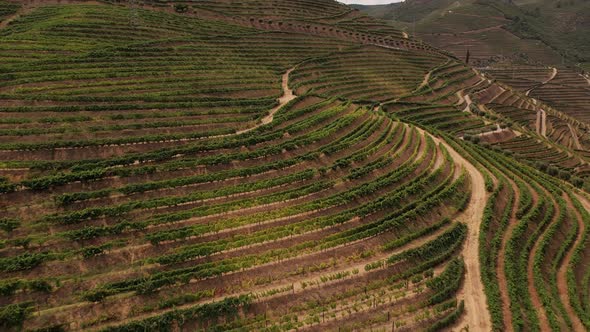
(553, 74)
(541, 123)
(562, 271)
(477, 316)
(575, 137)
(468, 103)
(424, 81)
(287, 96)
(538, 123)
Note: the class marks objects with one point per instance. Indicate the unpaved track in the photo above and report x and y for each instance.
(22, 11)
(470, 32)
(553, 74)
(477, 316)
(287, 96)
(541, 124)
(562, 272)
(574, 137)
(424, 81)
(538, 123)
(468, 104)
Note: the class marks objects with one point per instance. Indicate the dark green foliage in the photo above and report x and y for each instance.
(25, 261)
(13, 315)
(228, 307)
(8, 225)
(447, 283)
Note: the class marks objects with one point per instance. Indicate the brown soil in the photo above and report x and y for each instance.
(476, 315)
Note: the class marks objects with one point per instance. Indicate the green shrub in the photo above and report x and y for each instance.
(13, 315)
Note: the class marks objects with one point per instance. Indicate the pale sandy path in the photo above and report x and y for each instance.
(495, 131)
(287, 96)
(468, 104)
(538, 123)
(424, 81)
(472, 293)
(541, 123)
(296, 282)
(574, 137)
(477, 316)
(553, 74)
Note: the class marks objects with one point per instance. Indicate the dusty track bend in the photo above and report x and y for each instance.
(476, 317)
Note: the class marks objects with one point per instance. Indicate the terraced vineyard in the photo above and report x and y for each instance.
(278, 166)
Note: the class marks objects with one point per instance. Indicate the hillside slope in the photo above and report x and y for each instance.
(276, 165)
(528, 31)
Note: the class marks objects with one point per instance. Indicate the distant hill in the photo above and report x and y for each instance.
(533, 31)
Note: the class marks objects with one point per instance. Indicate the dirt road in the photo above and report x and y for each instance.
(553, 74)
(287, 96)
(541, 123)
(476, 317)
(424, 81)
(574, 137)
(586, 78)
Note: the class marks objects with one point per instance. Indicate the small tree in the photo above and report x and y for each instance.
(13, 315)
(181, 8)
(577, 182)
(565, 175)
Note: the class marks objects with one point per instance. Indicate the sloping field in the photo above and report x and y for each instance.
(178, 180)
(275, 166)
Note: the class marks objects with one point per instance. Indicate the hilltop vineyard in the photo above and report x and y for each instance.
(277, 166)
